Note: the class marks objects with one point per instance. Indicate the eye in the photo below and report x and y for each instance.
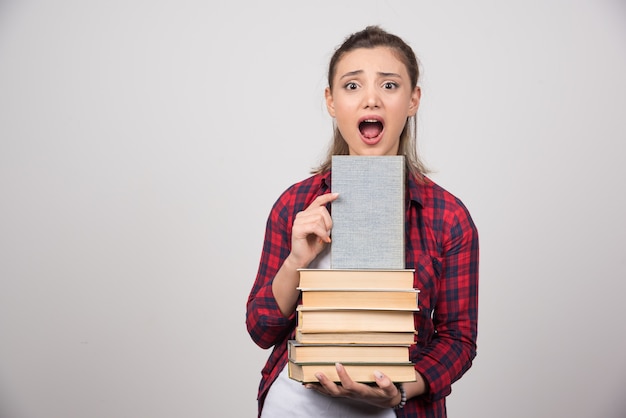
(351, 86)
(390, 85)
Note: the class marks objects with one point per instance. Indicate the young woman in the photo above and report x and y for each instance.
(373, 96)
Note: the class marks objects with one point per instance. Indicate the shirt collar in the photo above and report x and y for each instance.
(414, 191)
(325, 183)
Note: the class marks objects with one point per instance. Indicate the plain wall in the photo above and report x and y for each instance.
(142, 145)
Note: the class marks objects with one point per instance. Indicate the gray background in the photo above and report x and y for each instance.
(142, 144)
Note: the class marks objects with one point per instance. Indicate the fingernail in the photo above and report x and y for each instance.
(378, 374)
(318, 376)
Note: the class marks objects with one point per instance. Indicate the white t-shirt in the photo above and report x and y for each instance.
(289, 398)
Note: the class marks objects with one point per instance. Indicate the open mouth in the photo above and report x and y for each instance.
(370, 128)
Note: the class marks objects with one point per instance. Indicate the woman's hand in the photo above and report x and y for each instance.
(311, 231)
(309, 235)
(384, 395)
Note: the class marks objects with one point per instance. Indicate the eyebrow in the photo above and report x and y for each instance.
(357, 72)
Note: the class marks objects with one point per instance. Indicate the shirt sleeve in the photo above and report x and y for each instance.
(453, 346)
(265, 323)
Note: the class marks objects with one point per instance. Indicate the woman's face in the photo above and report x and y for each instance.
(371, 100)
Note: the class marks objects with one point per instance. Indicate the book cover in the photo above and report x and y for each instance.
(357, 278)
(347, 353)
(401, 372)
(368, 216)
(360, 298)
(354, 320)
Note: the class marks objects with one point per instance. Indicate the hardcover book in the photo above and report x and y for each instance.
(360, 372)
(347, 353)
(358, 337)
(356, 278)
(354, 320)
(368, 216)
(360, 298)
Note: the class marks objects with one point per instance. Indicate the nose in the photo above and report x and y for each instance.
(371, 98)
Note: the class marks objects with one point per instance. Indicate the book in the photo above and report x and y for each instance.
(356, 278)
(360, 298)
(351, 320)
(368, 216)
(359, 372)
(361, 337)
(347, 353)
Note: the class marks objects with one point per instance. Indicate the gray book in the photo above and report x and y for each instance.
(368, 215)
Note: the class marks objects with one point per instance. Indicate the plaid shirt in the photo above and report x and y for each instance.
(442, 247)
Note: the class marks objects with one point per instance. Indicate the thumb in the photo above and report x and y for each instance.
(385, 383)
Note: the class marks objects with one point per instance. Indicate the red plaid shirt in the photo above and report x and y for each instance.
(442, 247)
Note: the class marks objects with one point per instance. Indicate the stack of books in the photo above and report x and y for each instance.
(362, 319)
(360, 311)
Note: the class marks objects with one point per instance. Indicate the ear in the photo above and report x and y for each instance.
(330, 104)
(414, 103)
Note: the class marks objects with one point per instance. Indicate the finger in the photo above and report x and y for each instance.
(326, 226)
(318, 224)
(324, 199)
(383, 382)
(316, 387)
(314, 220)
(329, 386)
(346, 381)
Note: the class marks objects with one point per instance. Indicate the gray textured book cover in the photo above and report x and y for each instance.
(368, 215)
